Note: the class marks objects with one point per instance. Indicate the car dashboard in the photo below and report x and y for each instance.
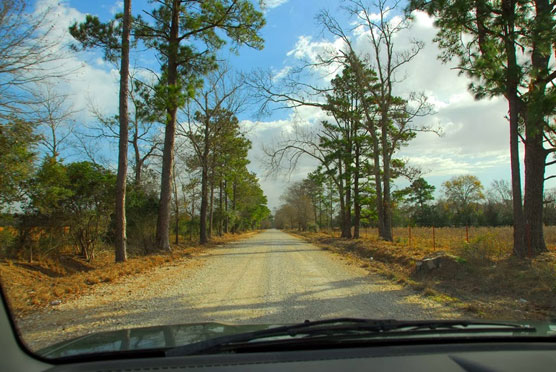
(433, 357)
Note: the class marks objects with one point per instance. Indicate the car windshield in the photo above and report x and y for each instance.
(178, 171)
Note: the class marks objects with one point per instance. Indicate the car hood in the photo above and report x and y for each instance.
(157, 337)
(169, 336)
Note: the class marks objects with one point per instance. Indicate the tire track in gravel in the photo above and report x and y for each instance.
(269, 278)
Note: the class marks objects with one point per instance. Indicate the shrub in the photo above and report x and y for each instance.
(482, 249)
(312, 227)
(141, 215)
(7, 241)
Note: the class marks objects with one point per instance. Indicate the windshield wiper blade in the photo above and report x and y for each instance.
(291, 330)
(347, 327)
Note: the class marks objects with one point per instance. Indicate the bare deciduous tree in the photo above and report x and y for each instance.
(391, 125)
(54, 116)
(212, 122)
(144, 126)
(28, 50)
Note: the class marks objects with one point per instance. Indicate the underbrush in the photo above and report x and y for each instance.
(32, 286)
(483, 278)
(482, 250)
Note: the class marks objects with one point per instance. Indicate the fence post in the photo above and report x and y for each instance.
(467, 234)
(433, 239)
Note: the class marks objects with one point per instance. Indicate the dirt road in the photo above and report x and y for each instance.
(271, 277)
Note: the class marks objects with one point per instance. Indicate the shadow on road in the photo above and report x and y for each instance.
(264, 252)
(277, 291)
(252, 310)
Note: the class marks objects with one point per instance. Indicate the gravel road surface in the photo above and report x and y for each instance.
(271, 278)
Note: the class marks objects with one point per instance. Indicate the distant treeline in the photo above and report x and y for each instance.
(313, 204)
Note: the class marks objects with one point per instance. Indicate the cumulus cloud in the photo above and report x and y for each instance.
(83, 78)
(270, 4)
(475, 134)
(117, 7)
(89, 79)
(266, 134)
(314, 52)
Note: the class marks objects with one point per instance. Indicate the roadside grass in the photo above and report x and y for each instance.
(482, 279)
(498, 240)
(33, 286)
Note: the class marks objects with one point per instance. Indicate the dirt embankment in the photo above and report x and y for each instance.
(483, 286)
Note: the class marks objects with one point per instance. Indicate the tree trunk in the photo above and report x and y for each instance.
(341, 194)
(512, 81)
(320, 211)
(176, 209)
(83, 244)
(375, 145)
(348, 174)
(163, 223)
(535, 157)
(519, 247)
(234, 197)
(345, 208)
(192, 216)
(330, 209)
(378, 182)
(203, 238)
(121, 238)
(347, 214)
(386, 197)
(356, 201)
(226, 217)
(211, 210)
(137, 154)
(535, 124)
(315, 213)
(343, 231)
(221, 207)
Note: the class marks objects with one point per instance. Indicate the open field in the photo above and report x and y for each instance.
(484, 278)
(496, 242)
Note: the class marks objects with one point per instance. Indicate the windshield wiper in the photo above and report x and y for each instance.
(350, 327)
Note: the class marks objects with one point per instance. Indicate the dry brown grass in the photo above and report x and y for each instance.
(485, 279)
(31, 286)
(497, 240)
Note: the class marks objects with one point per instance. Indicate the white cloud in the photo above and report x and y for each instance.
(314, 52)
(282, 73)
(266, 134)
(307, 49)
(422, 19)
(270, 4)
(475, 133)
(475, 136)
(117, 7)
(378, 16)
(88, 80)
(91, 79)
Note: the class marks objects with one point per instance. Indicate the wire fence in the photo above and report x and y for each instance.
(432, 238)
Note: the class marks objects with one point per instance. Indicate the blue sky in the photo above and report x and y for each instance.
(475, 136)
